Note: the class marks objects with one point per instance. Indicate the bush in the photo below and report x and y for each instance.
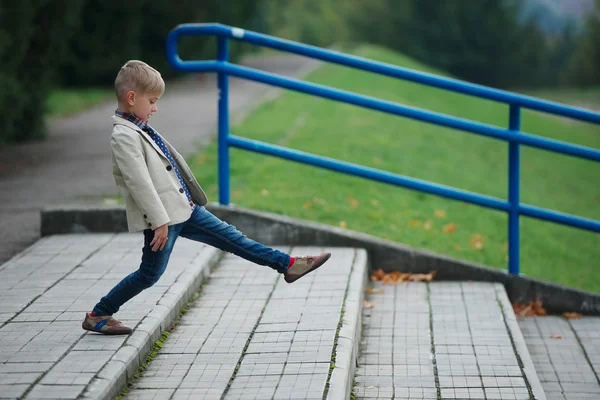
(111, 33)
(32, 43)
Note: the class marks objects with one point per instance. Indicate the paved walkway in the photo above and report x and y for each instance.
(45, 292)
(449, 340)
(73, 165)
(252, 336)
(249, 335)
(566, 355)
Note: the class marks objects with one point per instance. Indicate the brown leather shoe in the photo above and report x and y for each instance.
(105, 324)
(304, 265)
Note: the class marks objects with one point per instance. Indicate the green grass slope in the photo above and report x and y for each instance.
(415, 149)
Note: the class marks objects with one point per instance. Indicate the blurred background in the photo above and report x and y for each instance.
(52, 50)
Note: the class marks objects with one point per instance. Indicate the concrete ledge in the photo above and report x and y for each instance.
(124, 364)
(520, 345)
(281, 230)
(348, 340)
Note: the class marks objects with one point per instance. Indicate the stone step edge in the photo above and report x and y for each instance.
(125, 363)
(519, 343)
(341, 380)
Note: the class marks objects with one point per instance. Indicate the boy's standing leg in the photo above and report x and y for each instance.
(152, 267)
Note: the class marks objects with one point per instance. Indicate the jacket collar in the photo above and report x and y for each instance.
(122, 121)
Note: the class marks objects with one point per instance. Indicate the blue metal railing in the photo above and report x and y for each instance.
(513, 134)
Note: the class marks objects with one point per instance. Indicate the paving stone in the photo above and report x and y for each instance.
(151, 394)
(13, 391)
(56, 391)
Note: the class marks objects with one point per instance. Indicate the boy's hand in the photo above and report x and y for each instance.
(160, 238)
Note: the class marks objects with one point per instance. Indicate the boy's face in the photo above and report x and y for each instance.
(143, 105)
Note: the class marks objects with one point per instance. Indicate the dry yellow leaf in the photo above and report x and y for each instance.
(427, 225)
(264, 192)
(308, 204)
(476, 241)
(376, 290)
(440, 213)
(572, 315)
(366, 304)
(457, 248)
(343, 224)
(556, 336)
(353, 202)
(414, 223)
(449, 228)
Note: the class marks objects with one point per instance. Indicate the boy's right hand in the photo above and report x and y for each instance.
(161, 235)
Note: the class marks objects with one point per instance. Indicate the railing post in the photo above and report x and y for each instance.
(223, 125)
(513, 191)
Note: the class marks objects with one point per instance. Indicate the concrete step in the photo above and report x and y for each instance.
(248, 325)
(566, 355)
(44, 295)
(449, 340)
(250, 335)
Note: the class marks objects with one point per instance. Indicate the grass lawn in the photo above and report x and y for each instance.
(548, 251)
(63, 102)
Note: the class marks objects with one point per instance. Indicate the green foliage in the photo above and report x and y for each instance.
(314, 22)
(584, 68)
(113, 32)
(32, 43)
(480, 41)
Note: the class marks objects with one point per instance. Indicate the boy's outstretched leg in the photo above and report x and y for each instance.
(204, 227)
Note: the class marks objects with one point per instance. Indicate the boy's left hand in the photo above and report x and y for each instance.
(161, 235)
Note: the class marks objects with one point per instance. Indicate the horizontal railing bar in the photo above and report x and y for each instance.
(411, 183)
(410, 112)
(559, 218)
(366, 172)
(380, 68)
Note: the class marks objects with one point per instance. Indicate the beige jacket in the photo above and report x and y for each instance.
(147, 180)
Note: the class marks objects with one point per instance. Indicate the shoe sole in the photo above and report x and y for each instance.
(327, 257)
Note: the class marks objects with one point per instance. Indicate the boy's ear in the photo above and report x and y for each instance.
(130, 97)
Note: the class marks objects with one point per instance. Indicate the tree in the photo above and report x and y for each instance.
(584, 68)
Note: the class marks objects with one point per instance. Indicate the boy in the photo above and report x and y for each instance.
(164, 200)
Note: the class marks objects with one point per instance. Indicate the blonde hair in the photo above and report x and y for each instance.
(140, 77)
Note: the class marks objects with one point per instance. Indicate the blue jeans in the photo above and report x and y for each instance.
(202, 226)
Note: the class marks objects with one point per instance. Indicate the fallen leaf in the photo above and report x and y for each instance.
(396, 277)
(476, 241)
(375, 203)
(377, 290)
(377, 275)
(414, 223)
(539, 310)
(264, 192)
(532, 309)
(457, 248)
(353, 202)
(451, 227)
(423, 277)
(319, 201)
(343, 224)
(366, 304)
(308, 204)
(440, 213)
(427, 225)
(556, 336)
(572, 315)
